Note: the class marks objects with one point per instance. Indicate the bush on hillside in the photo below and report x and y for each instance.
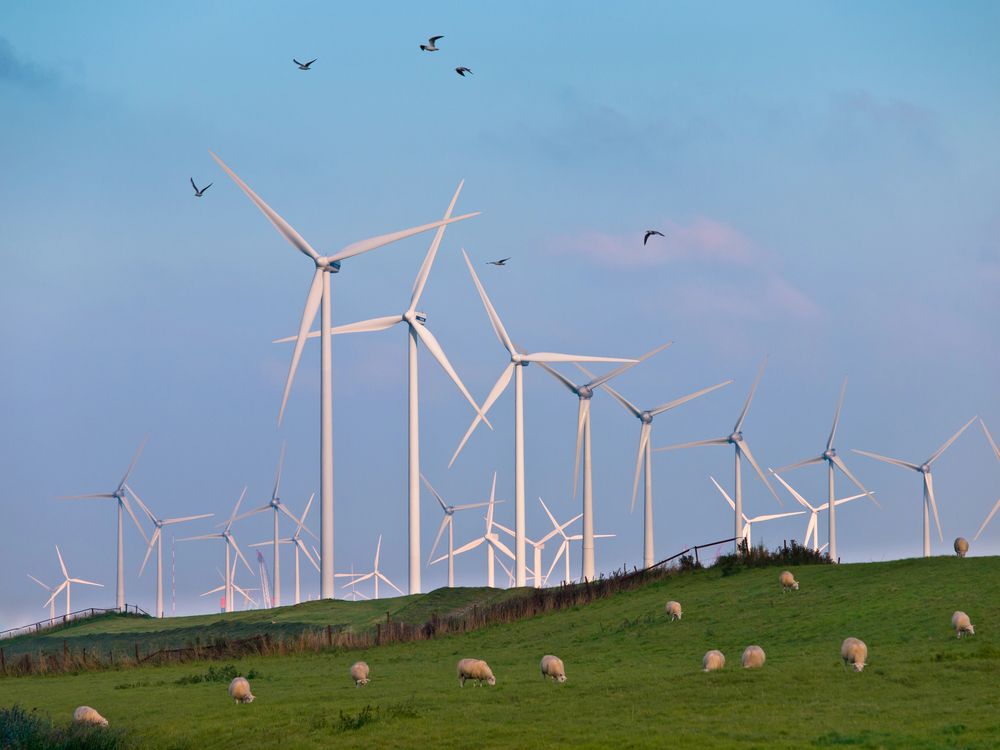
(761, 557)
(29, 730)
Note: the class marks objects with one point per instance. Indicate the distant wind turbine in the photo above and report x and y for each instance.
(490, 538)
(376, 575)
(996, 505)
(296, 539)
(67, 583)
(449, 521)
(748, 522)
(51, 602)
(564, 546)
(812, 528)
(540, 545)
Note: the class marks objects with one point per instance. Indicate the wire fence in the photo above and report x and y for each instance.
(80, 614)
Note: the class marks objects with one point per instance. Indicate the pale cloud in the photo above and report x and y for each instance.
(757, 297)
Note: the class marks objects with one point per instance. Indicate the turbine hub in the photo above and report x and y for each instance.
(327, 265)
(925, 469)
(832, 453)
(736, 437)
(646, 417)
(585, 392)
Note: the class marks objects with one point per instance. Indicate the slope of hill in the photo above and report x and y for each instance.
(635, 679)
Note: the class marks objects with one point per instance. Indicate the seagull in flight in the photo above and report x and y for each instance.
(198, 193)
(304, 66)
(650, 233)
(463, 71)
(501, 262)
(429, 47)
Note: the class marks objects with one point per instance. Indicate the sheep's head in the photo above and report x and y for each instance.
(102, 721)
(561, 678)
(491, 680)
(795, 585)
(363, 681)
(971, 630)
(248, 698)
(858, 666)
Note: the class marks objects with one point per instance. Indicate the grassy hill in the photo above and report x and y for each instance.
(635, 679)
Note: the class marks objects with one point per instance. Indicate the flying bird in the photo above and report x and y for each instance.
(501, 262)
(650, 233)
(463, 71)
(304, 66)
(198, 193)
(429, 47)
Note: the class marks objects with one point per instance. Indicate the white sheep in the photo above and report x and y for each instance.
(475, 669)
(854, 651)
(674, 610)
(87, 715)
(753, 657)
(787, 581)
(552, 666)
(239, 690)
(713, 660)
(961, 546)
(359, 673)
(962, 624)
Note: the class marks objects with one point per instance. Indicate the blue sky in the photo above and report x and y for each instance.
(826, 175)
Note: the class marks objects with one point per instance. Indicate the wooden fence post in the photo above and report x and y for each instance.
(329, 635)
(136, 652)
(3, 662)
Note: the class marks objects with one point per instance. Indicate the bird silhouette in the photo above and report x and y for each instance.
(650, 233)
(198, 193)
(463, 71)
(429, 47)
(304, 66)
(501, 262)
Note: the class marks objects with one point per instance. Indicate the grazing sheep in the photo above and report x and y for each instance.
(475, 669)
(552, 666)
(962, 624)
(359, 673)
(753, 657)
(674, 610)
(713, 660)
(854, 651)
(961, 546)
(787, 581)
(87, 715)
(239, 690)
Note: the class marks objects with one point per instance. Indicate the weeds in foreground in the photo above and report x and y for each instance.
(761, 557)
(29, 730)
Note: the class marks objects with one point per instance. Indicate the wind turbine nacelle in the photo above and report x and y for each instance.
(330, 266)
(421, 317)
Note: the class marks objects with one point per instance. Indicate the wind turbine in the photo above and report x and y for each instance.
(584, 393)
(157, 539)
(540, 545)
(67, 583)
(996, 505)
(449, 521)
(319, 298)
(355, 594)
(416, 323)
(749, 522)
(277, 506)
(232, 582)
(924, 470)
(120, 497)
(375, 575)
(489, 537)
(518, 359)
(812, 528)
(563, 550)
(742, 448)
(227, 536)
(52, 601)
(296, 539)
(644, 457)
(832, 461)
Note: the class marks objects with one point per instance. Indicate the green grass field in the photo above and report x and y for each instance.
(635, 679)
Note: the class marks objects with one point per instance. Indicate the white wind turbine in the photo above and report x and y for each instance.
(584, 393)
(245, 593)
(227, 536)
(812, 528)
(564, 546)
(277, 506)
(924, 470)
(121, 499)
(489, 537)
(449, 521)
(996, 505)
(833, 460)
(644, 456)
(749, 522)
(67, 583)
(736, 439)
(51, 602)
(376, 575)
(416, 323)
(296, 539)
(355, 594)
(540, 545)
(319, 298)
(518, 359)
(157, 540)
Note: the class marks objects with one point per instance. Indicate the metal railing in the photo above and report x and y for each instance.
(80, 614)
(694, 549)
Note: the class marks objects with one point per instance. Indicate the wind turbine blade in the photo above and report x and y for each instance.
(55, 593)
(498, 388)
(425, 267)
(149, 550)
(277, 475)
(556, 357)
(886, 459)
(364, 326)
(356, 580)
(581, 421)
(848, 499)
(644, 434)
(386, 580)
(744, 448)
(301, 545)
(773, 516)
(313, 299)
(466, 547)
(302, 521)
(363, 246)
(434, 492)
(929, 481)
(283, 509)
(951, 440)
(213, 591)
(283, 227)
(378, 550)
(555, 560)
(203, 536)
(839, 463)
(61, 563)
(501, 547)
(431, 342)
(690, 397)
(135, 458)
(996, 507)
(569, 384)
(469, 506)
(47, 588)
(695, 444)
(249, 513)
(85, 583)
(807, 462)
(505, 530)
(232, 540)
(596, 382)
(724, 493)
(142, 506)
(993, 444)
(802, 501)
(836, 416)
(168, 521)
(128, 508)
(753, 389)
(629, 406)
(549, 513)
(89, 496)
(491, 504)
(441, 528)
(491, 312)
